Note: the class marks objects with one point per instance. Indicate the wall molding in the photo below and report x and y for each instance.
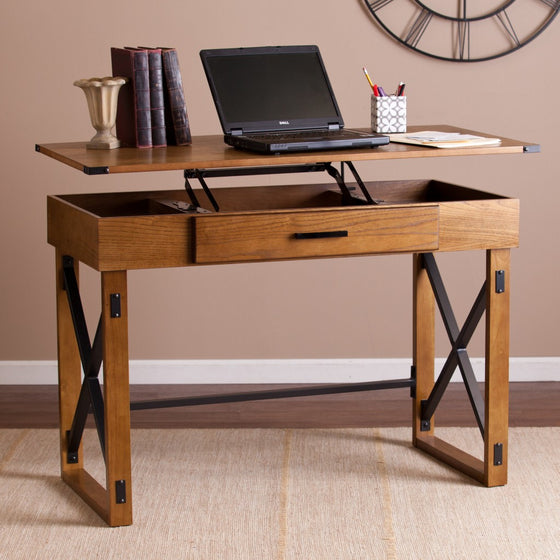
(273, 371)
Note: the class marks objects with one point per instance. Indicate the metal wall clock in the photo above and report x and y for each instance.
(464, 30)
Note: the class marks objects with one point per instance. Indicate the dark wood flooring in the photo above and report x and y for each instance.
(531, 404)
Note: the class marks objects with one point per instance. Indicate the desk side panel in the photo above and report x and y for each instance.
(72, 231)
(135, 242)
(479, 224)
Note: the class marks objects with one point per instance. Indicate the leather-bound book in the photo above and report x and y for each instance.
(178, 128)
(134, 122)
(157, 103)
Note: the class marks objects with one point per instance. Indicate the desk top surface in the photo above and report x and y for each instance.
(210, 152)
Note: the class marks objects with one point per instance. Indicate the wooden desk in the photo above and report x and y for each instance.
(113, 233)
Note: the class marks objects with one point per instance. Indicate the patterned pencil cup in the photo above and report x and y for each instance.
(388, 113)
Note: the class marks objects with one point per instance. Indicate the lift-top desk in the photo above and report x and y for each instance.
(116, 232)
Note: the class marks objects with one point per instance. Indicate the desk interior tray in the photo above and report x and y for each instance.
(126, 230)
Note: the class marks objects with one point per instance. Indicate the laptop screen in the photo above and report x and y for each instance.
(270, 88)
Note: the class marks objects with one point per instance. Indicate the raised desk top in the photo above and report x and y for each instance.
(209, 152)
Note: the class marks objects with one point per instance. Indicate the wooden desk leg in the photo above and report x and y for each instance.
(497, 367)
(492, 471)
(69, 369)
(117, 397)
(113, 503)
(423, 341)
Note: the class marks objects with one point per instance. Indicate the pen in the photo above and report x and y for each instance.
(369, 80)
(400, 89)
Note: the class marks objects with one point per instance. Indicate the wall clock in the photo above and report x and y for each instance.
(464, 30)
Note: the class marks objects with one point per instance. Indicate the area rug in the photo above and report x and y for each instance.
(274, 494)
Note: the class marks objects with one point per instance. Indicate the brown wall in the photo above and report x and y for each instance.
(332, 309)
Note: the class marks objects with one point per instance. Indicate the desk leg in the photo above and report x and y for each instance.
(423, 341)
(117, 397)
(113, 503)
(69, 370)
(497, 367)
(492, 471)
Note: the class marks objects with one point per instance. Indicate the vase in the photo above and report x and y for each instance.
(101, 95)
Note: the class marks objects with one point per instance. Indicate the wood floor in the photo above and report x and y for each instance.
(531, 404)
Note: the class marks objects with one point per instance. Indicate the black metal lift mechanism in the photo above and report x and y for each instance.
(338, 176)
(91, 354)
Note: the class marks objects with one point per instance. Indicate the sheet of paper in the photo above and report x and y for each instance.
(436, 139)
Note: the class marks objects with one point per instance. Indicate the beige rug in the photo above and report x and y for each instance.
(286, 494)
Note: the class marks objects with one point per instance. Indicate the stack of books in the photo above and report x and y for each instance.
(151, 110)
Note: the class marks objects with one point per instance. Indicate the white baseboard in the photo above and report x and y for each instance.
(273, 371)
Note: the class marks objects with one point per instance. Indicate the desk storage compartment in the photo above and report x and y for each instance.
(132, 230)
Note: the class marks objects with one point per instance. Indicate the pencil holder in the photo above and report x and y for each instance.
(388, 113)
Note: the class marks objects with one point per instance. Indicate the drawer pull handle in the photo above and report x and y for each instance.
(321, 234)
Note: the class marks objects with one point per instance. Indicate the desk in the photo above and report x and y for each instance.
(116, 232)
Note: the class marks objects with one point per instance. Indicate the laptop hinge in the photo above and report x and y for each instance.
(334, 126)
(236, 131)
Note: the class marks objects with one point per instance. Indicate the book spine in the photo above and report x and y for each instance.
(142, 99)
(177, 109)
(157, 98)
(134, 126)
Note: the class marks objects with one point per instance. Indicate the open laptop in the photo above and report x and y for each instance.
(278, 99)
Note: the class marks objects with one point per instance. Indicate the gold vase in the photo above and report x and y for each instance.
(101, 95)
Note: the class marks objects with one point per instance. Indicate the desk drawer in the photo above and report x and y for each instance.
(243, 237)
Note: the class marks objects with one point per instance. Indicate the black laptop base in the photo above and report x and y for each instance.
(248, 144)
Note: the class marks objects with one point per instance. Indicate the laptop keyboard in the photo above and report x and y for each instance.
(303, 134)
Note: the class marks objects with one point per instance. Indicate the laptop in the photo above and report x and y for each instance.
(277, 100)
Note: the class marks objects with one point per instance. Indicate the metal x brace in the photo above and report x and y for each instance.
(91, 357)
(459, 341)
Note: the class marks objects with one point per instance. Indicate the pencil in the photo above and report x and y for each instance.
(369, 80)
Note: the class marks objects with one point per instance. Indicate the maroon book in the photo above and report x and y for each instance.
(157, 102)
(134, 124)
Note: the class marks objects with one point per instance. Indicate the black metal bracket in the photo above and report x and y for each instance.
(115, 305)
(459, 340)
(413, 387)
(95, 170)
(91, 356)
(498, 454)
(120, 491)
(338, 176)
(425, 425)
(500, 281)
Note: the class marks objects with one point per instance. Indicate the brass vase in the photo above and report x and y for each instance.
(101, 95)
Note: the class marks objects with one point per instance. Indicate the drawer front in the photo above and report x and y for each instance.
(221, 238)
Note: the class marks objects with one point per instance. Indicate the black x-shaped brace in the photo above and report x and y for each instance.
(459, 340)
(91, 357)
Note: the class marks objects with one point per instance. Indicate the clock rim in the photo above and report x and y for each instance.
(554, 12)
(488, 15)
